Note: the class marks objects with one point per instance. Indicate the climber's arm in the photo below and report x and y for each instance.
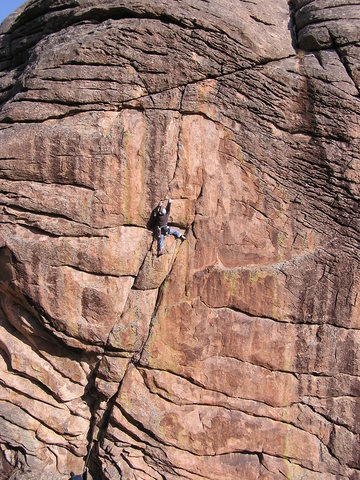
(168, 206)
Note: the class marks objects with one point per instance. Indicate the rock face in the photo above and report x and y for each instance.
(235, 355)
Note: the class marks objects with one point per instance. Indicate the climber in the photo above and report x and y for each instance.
(161, 227)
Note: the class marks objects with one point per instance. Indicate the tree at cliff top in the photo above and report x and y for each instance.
(235, 355)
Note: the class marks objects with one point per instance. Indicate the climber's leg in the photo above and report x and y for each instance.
(160, 244)
(176, 233)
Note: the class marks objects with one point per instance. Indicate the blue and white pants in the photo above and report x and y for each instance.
(166, 231)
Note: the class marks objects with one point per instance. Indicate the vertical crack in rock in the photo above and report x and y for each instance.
(342, 55)
(292, 24)
(137, 356)
(93, 402)
(98, 424)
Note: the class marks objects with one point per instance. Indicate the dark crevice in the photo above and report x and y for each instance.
(263, 22)
(179, 139)
(94, 273)
(91, 398)
(244, 312)
(292, 26)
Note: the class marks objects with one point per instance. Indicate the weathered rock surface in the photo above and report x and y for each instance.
(235, 355)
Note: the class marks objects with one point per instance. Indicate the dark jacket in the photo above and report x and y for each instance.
(162, 220)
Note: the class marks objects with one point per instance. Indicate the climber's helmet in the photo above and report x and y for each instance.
(162, 211)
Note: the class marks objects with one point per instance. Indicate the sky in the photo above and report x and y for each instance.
(8, 6)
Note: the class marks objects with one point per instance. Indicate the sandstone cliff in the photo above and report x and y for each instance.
(235, 355)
